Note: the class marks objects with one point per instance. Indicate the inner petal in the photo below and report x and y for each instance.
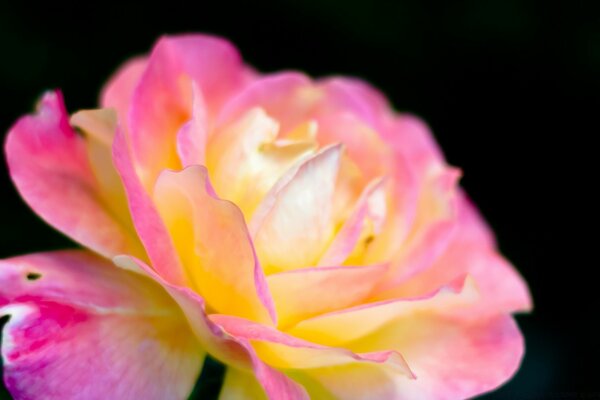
(246, 158)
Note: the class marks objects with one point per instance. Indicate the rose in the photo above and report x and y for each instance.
(299, 231)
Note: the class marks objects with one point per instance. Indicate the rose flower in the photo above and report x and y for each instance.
(299, 231)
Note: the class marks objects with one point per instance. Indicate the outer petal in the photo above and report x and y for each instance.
(411, 137)
(433, 227)
(288, 97)
(292, 99)
(472, 251)
(232, 351)
(374, 107)
(452, 360)
(81, 328)
(363, 144)
(49, 165)
(213, 243)
(162, 100)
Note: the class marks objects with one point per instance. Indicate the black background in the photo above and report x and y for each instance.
(509, 88)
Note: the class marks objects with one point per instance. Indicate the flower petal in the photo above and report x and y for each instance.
(472, 251)
(363, 145)
(298, 224)
(433, 227)
(292, 98)
(307, 292)
(80, 327)
(214, 245)
(49, 165)
(235, 352)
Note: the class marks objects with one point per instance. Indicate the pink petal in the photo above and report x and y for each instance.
(235, 352)
(451, 359)
(473, 251)
(285, 96)
(298, 224)
(307, 292)
(162, 100)
(432, 229)
(340, 327)
(363, 144)
(410, 136)
(213, 244)
(118, 91)
(370, 104)
(150, 228)
(81, 328)
(49, 165)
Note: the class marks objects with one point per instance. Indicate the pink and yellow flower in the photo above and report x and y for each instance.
(300, 231)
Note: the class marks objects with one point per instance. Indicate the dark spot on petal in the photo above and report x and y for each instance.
(33, 276)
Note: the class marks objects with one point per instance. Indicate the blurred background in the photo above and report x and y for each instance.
(509, 87)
